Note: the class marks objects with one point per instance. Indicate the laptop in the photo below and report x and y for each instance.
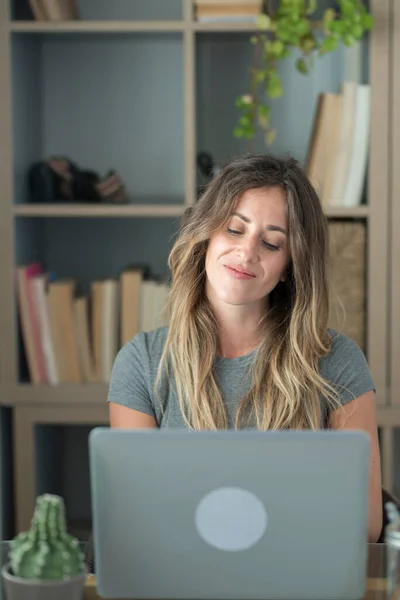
(230, 514)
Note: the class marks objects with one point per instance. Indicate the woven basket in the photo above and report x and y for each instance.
(347, 279)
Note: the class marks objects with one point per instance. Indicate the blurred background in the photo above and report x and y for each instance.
(113, 118)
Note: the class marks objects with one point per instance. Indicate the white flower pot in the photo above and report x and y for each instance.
(18, 588)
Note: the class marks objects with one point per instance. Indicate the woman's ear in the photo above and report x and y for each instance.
(283, 276)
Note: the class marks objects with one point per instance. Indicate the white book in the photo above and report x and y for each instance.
(109, 326)
(39, 292)
(360, 147)
(344, 147)
(160, 304)
(146, 311)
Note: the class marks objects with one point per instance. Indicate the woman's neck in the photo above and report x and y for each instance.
(239, 333)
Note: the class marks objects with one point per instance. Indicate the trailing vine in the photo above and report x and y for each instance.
(284, 27)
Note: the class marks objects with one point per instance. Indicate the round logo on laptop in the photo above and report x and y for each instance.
(231, 519)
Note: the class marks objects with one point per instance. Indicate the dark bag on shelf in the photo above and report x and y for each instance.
(58, 179)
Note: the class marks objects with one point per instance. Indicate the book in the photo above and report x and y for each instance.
(38, 10)
(61, 294)
(130, 284)
(29, 320)
(109, 326)
(83, 338)
(39, 291)
(60, 10)
(320, 142)
(359, 148)
(343, 150)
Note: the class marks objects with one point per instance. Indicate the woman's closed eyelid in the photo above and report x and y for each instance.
(268, 245)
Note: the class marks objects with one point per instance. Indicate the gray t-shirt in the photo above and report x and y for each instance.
(135, 370)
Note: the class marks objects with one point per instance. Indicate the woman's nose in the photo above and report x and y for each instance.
(248, 250)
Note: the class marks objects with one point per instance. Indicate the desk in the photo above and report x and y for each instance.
(376, 574)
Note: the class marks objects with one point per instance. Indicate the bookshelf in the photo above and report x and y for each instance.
(96, 26)
(88, 210)
(395, 221)
(135, 85)
(143, 210)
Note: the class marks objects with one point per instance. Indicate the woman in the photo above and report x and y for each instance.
(248, 343)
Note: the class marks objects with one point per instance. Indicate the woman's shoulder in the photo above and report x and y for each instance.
(135, 369)
(148, 345)
(342, 346)
(346, 366)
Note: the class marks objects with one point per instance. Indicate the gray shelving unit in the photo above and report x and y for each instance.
(136, 85)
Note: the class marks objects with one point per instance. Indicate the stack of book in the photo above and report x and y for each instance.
(54, 10)
(338, 151)
(227, 10)
(72, 338)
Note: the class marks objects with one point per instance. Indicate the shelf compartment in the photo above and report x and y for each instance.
(117, 10)
(344, 212)
(95, 26)
(237, 26)
(67, 394)
(133, 121)
(102, 210)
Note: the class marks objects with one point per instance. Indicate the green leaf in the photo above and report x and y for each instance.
(270, 137)
(348, 40)
(329, 15)
(277, 47)
(263, 110)
(302, 66)
(357, 31)
(337, 27)
(274, 86)
(238, 132)
(263, 22)
(312, 7)
(259, 77)
(283, 32)
(254, 40)
(308, 43)
(248, 133)
(367, 21)
(303, 27)
(328, 45)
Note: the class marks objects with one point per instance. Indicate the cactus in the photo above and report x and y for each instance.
(47, 551)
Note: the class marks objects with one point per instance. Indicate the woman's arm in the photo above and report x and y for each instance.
(123, 417)
(360, 414)
(130, 404)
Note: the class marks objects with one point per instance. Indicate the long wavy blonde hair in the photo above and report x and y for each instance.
(287, 388)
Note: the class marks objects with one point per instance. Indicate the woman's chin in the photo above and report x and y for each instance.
(236, 299)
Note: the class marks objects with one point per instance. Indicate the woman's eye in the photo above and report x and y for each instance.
(271, 247)
(233, 231)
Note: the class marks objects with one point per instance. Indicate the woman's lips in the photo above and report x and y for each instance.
(239, 274)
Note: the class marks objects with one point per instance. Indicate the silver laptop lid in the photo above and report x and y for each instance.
(225, 515)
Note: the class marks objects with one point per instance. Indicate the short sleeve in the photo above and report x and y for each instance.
(346, 368)
(130, 377)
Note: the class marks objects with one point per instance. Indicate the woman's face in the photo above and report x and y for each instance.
(249, 256)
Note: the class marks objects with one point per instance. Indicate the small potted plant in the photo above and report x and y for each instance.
(45, 563)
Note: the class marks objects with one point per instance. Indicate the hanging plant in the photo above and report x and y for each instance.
(284, 27)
